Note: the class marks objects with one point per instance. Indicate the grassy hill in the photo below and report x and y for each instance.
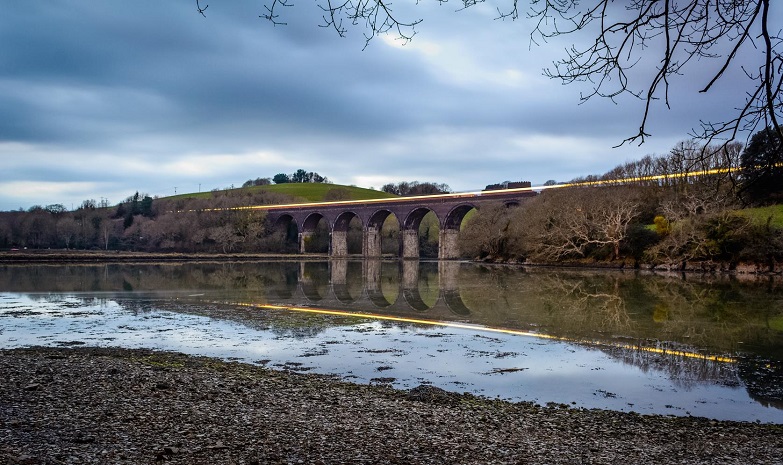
(760, 215)
(305, 192)
(316, 192)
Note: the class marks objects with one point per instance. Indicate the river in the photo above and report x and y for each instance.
(671, 344)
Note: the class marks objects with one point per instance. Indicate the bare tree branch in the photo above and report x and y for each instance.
(201, 10)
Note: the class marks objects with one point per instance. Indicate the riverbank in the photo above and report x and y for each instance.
(103, 256)
(109, 256)
(117, 256)
(88, 405)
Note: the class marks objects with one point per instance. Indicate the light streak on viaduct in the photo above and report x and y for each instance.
(450, 210)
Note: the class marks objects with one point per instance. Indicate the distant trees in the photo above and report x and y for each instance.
(299, 175)
(281, 178)
(415, 188)
(258, 182)
(67, 229)
(133, 206)
(664, 210)
(141, 223)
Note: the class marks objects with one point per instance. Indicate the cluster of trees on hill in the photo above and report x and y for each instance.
(405, 188)
(299, 175)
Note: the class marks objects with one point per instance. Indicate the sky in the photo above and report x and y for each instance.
(99, 100)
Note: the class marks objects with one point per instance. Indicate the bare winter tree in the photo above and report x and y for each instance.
(637, 48)
(569, 223)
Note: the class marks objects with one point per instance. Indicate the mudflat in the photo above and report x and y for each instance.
(120, 406)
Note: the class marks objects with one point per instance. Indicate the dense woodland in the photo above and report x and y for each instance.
(683, 209)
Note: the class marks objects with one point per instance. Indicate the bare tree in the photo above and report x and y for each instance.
(110, 229)
(226, 237)
(486, 233)
(570, 223)
(67, 229)
(666, 37)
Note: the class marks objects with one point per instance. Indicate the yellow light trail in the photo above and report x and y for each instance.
(476, 194)
(490, 329)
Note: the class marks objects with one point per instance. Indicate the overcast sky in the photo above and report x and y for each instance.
(99, 100)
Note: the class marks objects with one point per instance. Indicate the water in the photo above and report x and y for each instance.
(612, 340)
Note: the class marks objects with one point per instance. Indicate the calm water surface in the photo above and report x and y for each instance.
(625, 341)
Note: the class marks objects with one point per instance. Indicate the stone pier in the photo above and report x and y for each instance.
(410, 243)
(448, 247)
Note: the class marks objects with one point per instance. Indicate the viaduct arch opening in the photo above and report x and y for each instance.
(285, 232)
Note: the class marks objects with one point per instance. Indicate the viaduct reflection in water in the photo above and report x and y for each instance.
(391, 286)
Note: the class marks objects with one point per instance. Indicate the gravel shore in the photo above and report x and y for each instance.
(116, 406)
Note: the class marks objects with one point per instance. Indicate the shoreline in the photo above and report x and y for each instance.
(96, 405)
(47, 256)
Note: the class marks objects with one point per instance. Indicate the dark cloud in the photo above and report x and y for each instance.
(146, 96)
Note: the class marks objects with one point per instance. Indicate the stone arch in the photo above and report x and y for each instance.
(413, 299)
(410, 231)
(307, 231)
(339, 240)
(372, 246)
(455, 216)
(378, 299)
(285, 225)
(311, 221)
(448, 246)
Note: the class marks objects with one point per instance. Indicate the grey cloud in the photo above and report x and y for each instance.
(156, 83)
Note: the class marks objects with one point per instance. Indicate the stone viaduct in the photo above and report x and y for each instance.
(450, 210)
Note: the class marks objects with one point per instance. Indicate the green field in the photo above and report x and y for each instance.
(760, 215)
(303, 192)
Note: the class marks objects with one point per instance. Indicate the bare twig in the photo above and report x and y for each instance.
(201, 10)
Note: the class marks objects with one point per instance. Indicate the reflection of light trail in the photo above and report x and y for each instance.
(482, 194)
(515, 332)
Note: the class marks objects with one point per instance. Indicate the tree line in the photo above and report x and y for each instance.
(679, 210)
(675, 210)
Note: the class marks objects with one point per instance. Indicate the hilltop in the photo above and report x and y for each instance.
(298, 191)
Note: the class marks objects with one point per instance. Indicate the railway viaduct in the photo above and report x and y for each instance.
(450, 210)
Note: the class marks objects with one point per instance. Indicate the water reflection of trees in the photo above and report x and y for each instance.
(711, 314)
(718, 315)
(588, 303)
(684, 371)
